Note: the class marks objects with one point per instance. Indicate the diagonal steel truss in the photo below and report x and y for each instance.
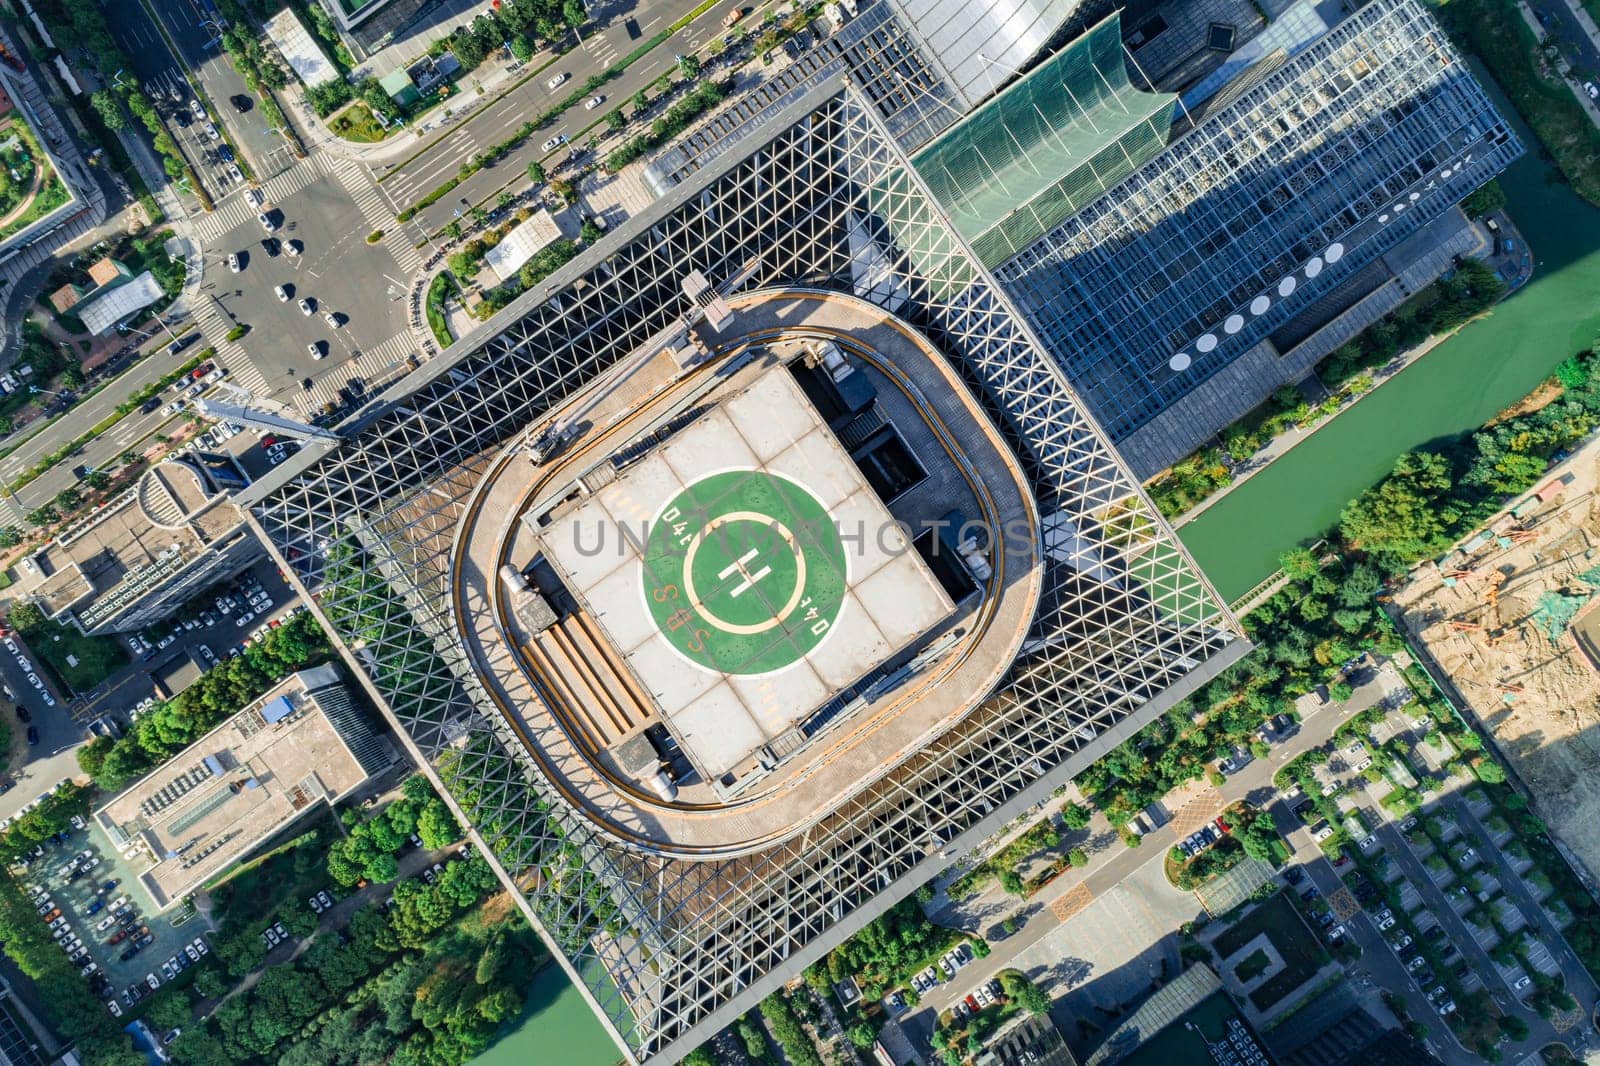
(669, 950)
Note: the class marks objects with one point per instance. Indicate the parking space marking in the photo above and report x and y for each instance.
(1342, 902)
(1198, 812)
(1072, 903)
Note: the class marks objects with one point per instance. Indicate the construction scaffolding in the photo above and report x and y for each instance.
(670, 950)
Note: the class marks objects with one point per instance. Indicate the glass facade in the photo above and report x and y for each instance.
(1046, 146)
(672, 949)
(1310, 175)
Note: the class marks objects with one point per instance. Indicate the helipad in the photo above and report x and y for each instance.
(746, 571)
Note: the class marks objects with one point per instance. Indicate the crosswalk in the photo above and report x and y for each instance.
(604, 52)
(369, 201)
(375, 366)
(237, 209)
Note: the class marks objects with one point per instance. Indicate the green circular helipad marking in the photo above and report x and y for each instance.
(744, 572)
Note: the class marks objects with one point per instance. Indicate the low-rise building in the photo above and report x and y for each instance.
(304, 743)
(137, 559)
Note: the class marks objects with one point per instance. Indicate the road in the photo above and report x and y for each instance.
(1116, 865)
(1561, 22)
(193, 27)
(161, 76)
(409, 181)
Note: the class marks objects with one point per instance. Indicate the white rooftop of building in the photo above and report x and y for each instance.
(526, 240)
(104, 310)
(886, 599)
(310, 63)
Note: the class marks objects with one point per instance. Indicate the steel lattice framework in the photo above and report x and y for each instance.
(669, 950)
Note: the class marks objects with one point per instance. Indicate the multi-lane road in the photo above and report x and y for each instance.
(443, 153)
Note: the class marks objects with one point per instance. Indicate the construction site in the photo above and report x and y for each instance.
(1511, 616)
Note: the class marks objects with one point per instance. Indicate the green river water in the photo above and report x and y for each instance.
(1487, 366)
(556, 1029)
(1458, 385)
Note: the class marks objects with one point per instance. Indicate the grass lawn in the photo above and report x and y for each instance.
(1302, 954)
(1254, 965)
(442, 286)
(1496, 33)
(94, 658)
(356, 123)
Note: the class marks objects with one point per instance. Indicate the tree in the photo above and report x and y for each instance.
(1011, 881)
(1485, 200)
(614, 119)
(640, 100)
(97, 479)
(536, 172)
(572, 13)
(1075, 816)
(862, 1035)
(589, 231)
(1513, 1026)
(1077, 858)
(521, 48)
(1259, 837)
(1406, 515)
(1489, 771)
(1033, 999)
(110, 111)
(688, 65)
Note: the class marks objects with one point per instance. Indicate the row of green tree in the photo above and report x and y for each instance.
(518, 24)
(171, 725)
(1440, 308)
(1319, 620)
(52, 815)
(369, 850)
(428, 984)
(1433, 498)
(85, 26)
(695, 102)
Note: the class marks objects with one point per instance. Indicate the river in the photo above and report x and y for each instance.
(556, 1028)
(1487, 366)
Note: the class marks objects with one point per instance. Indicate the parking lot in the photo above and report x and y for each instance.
(199, 637)
(80, 884)
(1471, 917)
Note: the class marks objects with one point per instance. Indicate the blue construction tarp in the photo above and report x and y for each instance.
(277, 710)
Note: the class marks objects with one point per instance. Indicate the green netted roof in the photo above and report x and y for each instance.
(1554, 611)
(1046, 147)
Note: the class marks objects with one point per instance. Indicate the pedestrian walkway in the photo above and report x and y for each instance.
(374, 209)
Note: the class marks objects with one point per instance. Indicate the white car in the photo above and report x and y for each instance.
(307, 307)
(555, 142)
(333, 319)
(281, 292)
(293, 248)
(211, 131)
(593, 102)
(1592, 89)
(557, 80)
(315, 349)
(196, 109)
(1522, 982)
(266, 222)
(200, 945)
(233, 262)
(234, 172)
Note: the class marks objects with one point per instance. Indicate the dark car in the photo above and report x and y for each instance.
(1294, 875)
(181, 119)
(33, 735)
(80, 471)
(241, 103)
(152, 403)
(24, 714)
(271, 246)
